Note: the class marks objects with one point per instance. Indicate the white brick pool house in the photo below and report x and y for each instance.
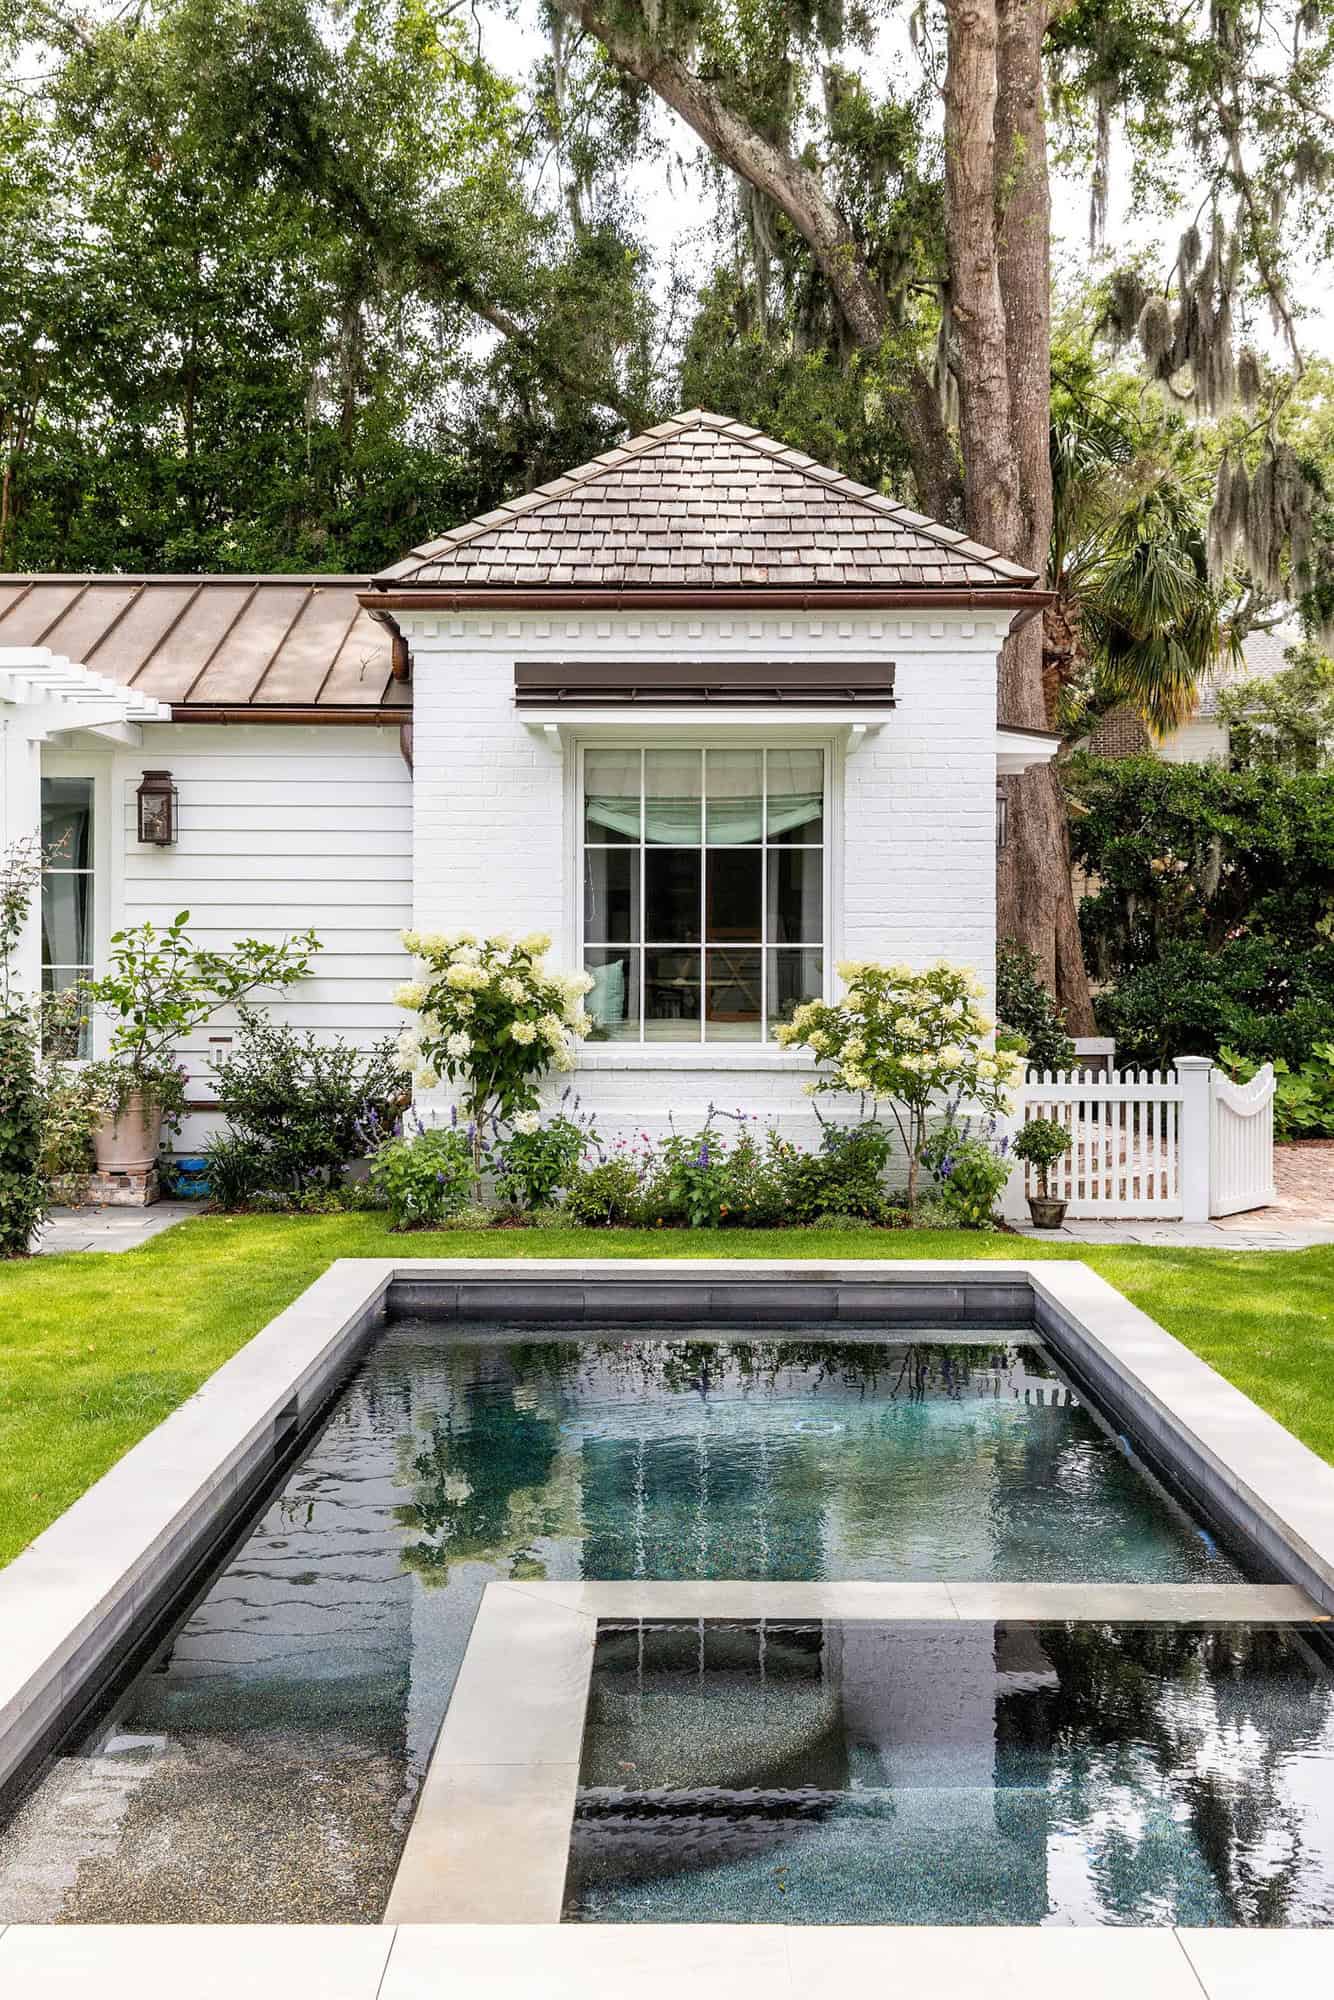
(713, 715)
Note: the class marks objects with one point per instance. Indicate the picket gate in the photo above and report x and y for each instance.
(1183, 1144)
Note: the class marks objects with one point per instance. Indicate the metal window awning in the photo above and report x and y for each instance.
(692, 685)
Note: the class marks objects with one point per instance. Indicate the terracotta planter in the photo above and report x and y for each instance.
(1047, 1212)
(128, 1144)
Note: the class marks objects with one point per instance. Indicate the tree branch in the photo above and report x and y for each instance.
(796, 191)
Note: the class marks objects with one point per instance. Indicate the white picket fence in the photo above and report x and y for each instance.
(1185, 1145)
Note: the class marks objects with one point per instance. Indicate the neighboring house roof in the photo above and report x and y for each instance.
(204, 644)
(1261, 658)
(701, 505)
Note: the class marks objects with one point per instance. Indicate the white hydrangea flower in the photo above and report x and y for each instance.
(457, 1488)
(523, 1032)
(410, 995)
(458, 1045)
(465, 978)
(432, 944)
(563, 1058)
(513, 989)
(500, 941)
(412, 941)
(528, 1122)
(536, 944)
(951, 1056)
(552, 1030)
(428, 1079)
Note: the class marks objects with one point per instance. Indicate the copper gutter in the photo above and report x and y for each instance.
(379, 717)
(1027, 602)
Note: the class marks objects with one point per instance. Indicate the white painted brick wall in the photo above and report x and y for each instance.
(912, 823)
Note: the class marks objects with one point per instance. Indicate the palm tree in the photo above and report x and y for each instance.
(1138, 621)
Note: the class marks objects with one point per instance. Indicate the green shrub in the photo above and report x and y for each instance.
(297, 1109)
(1303, 1098)
(535, 1162)
(1267, 1000)
(605, 1195)
(968, 1172)
(425, 1179)
(844, 1177)
(1026, 1008)
(22, 1194)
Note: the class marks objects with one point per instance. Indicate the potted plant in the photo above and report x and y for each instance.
(1041, 1143)
(162, 987)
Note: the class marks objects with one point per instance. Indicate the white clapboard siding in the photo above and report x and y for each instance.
(157, 871)
(280, 830)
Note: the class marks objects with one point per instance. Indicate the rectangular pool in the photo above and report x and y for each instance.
(836, 1773)
(265, 1765)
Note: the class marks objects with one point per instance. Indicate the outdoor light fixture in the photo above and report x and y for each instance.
(1002, 816)
(157, 809)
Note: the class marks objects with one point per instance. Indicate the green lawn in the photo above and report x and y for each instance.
(96, 1349)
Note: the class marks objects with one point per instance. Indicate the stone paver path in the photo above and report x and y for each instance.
(1302, 1214)
(109, 1228)
(1304, 1187)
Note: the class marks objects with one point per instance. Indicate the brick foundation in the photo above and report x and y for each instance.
(123, 1190)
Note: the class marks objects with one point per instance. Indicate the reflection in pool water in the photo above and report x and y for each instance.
(266, 1766)
(960, 1774)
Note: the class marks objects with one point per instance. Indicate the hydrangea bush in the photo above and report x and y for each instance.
(907, 1040)
(493, 1019)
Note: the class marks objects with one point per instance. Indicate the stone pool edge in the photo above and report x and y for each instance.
(71, 1602)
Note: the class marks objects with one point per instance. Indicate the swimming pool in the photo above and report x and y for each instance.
(972, 1773)
(265, 1765)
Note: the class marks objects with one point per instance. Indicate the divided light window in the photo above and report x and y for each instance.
(703, 891)
(67, 910)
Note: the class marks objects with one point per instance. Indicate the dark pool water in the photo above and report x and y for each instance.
(960, 1774)
(265, 1767)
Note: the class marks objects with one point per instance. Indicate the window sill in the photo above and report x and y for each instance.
(692, 1056)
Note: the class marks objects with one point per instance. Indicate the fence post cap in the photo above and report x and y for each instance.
(1192, 1062)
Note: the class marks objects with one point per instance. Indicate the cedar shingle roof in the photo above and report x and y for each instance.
(703, 503)
(203, 642)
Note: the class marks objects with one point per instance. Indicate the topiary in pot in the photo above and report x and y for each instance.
(1041, 1143)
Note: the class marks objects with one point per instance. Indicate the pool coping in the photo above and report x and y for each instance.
(71, 1602)
(490, 1836)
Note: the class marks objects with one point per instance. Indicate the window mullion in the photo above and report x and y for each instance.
(643, 896)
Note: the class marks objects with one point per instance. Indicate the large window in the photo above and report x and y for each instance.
(703, 891)
(67, 911)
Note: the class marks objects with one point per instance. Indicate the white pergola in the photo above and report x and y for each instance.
(44, 697)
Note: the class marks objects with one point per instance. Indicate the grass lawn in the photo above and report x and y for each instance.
(96, 1349)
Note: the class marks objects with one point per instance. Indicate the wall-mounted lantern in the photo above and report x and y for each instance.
(157, 809)
(1002, 816)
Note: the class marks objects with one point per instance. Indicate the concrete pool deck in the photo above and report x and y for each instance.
(654, 1962)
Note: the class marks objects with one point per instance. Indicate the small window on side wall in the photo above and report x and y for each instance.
(703, 884)
(67, 915)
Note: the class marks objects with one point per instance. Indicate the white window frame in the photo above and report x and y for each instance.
(763, 1050)
(73, 764)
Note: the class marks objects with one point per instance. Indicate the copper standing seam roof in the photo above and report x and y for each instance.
(271, 646)
(701, 507)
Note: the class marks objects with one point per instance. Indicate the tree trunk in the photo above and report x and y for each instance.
(998, 209)
(998, 228)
